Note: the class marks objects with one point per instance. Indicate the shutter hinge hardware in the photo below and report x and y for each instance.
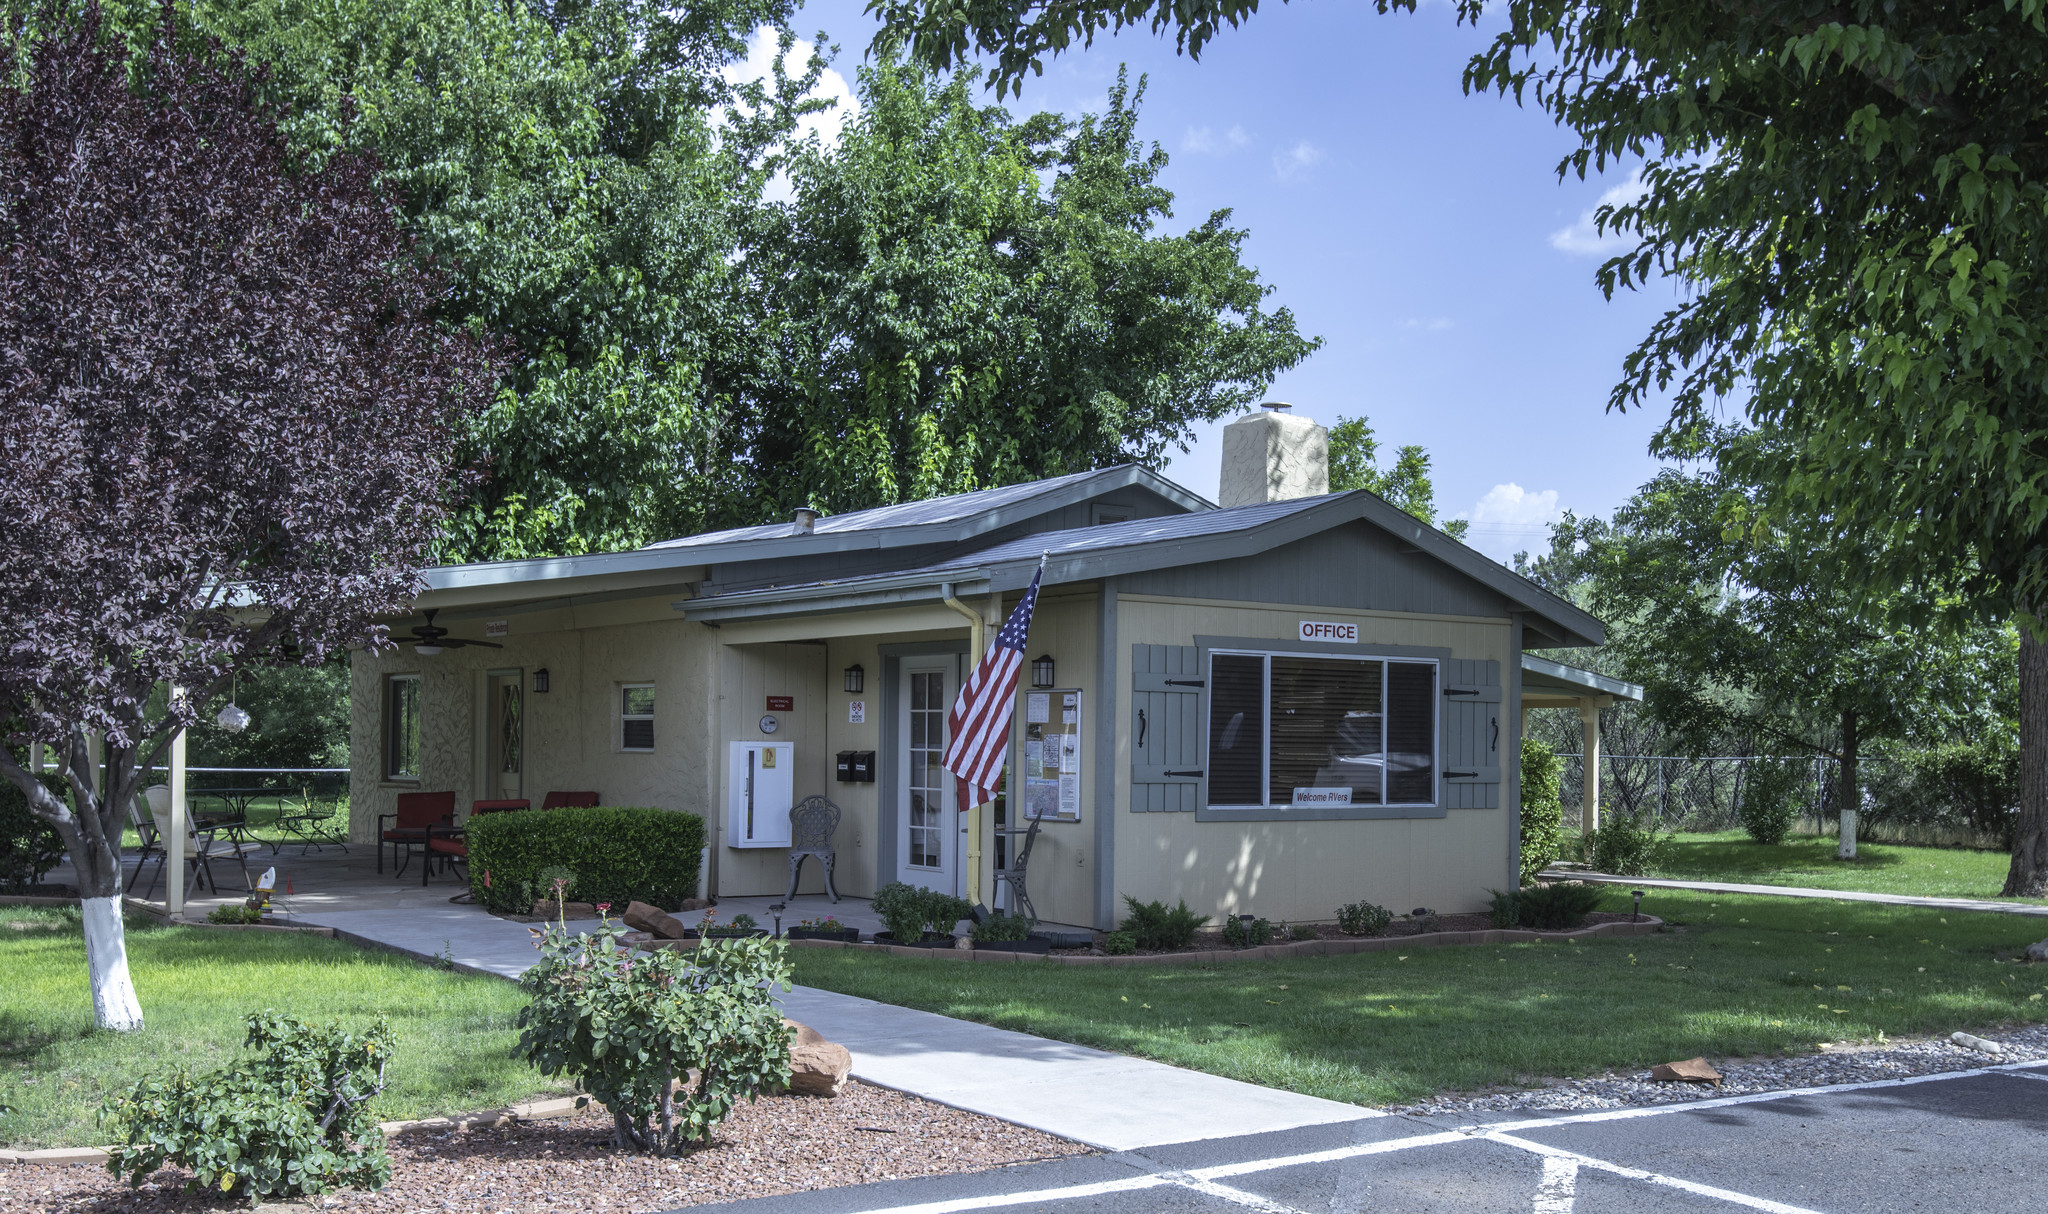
(1187, 683)
(1469, 775)
(1461, 691)
(1196, 774)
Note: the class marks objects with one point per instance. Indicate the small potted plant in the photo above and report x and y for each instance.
(1001, 933)
(827, 928)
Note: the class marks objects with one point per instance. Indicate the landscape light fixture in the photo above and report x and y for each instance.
(856, 678)
(1042, 670)
(540, 681)
(1637, 916)
(776, 909)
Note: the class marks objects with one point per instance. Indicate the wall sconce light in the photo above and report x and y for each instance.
(1041, 670)
(540, 681)
(856, 678)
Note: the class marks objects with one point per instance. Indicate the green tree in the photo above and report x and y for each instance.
(1354, 464)
(1768, 635)
(298, 717)
(964, 300)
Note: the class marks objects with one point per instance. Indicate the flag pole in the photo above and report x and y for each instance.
(978, 648)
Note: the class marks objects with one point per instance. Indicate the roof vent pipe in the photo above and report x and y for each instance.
(806, 521)
(1273, 456)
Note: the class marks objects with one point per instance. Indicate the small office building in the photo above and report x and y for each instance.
(1281, 704)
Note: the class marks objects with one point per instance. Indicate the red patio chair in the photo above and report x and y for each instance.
(569, 800)
(418, 814)
(498, 807)
(451, 849)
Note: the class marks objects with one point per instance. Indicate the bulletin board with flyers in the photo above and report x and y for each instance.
(1052, 755)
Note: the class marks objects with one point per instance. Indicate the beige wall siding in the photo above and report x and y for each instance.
(1303, 870)
(748, 675)
(1061, 874)
(572, 738)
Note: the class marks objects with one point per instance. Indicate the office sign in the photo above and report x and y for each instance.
(1325, 630)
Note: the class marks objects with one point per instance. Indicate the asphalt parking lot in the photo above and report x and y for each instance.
(1969, 1142)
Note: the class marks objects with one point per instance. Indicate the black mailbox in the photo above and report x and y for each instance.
(856, 767)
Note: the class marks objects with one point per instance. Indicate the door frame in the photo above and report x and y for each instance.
(889, 767)
(487, 724)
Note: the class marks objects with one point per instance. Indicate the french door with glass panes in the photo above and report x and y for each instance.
(928, 824)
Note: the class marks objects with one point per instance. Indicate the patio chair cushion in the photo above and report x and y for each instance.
(569, 800)
(447, 846)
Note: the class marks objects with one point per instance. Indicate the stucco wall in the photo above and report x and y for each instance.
(1304, 870)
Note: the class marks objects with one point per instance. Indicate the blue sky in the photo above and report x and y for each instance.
(1422, 233)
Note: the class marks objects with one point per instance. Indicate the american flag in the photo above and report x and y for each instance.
(979, 724)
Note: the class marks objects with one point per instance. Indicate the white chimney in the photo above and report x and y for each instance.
(1271, 456)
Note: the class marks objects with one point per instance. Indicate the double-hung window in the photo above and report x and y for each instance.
(636, 716)
(1309, 731)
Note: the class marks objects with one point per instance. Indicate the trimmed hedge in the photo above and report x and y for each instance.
(613, 855)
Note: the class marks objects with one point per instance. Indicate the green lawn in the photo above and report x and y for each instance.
(1879, 868)
(455, 1030)
(1747, 975)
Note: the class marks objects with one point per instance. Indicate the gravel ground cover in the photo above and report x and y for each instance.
(1838, 1062)
(785, 1144)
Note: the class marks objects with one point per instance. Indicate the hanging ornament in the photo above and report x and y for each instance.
(233, 718)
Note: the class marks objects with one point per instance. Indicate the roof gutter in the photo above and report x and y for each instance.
(866, 594)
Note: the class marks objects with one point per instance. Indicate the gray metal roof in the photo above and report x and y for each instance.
(1089, 553)
(1542, 674)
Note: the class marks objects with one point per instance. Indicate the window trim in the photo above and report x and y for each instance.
(391, 681)
(1363, 651)
(623, 716)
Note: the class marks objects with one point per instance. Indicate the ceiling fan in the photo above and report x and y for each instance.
(430, 638)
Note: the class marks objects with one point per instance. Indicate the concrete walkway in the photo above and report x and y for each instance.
(1105, 1100)
(2036, 909)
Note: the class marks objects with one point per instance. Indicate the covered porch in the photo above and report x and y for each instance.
(1549, 684)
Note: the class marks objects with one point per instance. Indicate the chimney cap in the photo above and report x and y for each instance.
(806, 520)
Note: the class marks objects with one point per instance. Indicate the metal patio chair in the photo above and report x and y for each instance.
(202, 848)
(1013, 876)
(812, 823)
(416, 816)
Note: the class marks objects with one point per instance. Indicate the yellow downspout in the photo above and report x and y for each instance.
(977, 639)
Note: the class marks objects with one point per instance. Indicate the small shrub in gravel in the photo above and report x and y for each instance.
(1119, 944)
(626, 1026)
(1363, 919)
(294, 1120)
(1158, 929)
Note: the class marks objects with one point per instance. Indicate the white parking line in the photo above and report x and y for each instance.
(1333, 1155)
(2028, 1075)
(1559, 1187)
(1721, 1102)
(1655, 1178)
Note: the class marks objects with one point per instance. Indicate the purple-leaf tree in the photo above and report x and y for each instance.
(226, 423)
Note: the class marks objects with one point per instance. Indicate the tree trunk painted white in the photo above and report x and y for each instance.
(1851, 795)
(1846, 850)
(114, 1005)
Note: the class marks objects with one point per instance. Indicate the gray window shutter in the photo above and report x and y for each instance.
(1472, 734)
(1166, 728)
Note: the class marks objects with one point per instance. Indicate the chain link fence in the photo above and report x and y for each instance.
(1686, 793)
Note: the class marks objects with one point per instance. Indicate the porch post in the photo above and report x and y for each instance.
(174, 847)
(1589, 728)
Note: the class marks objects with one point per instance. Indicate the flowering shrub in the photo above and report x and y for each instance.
(294, 1120)
(625, 1026)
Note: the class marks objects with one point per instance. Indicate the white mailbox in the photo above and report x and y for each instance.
(761, 790)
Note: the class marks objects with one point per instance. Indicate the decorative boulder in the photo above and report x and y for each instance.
(2038, 951)
(690, 904)
(654, 921)
(817, 1067)
(1692, 1070)
(546, 909)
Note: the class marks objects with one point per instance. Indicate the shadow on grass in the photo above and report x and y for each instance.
(1728, 858)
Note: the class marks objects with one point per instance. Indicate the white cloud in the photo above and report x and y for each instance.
(1584, 238)
(825, 124)
(1202, 141)
(1295, 160)
(1511, 519)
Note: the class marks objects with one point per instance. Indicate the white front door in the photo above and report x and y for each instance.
(928, 831)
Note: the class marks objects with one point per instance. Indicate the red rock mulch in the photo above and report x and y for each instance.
(783, 1144)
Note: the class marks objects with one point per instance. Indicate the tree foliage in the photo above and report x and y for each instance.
(226, 415)
(1354, 464)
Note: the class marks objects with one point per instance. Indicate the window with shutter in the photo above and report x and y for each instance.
(1166, 728)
